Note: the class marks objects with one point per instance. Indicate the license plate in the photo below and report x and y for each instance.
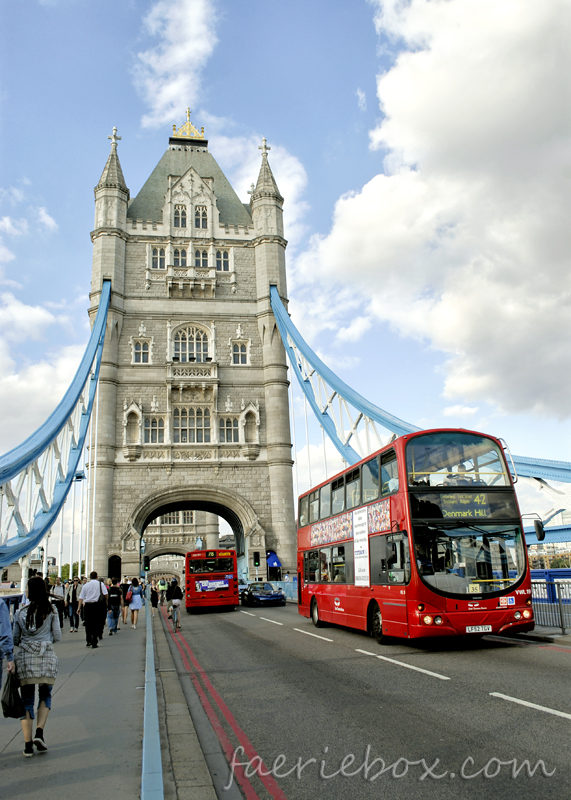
(478, 629)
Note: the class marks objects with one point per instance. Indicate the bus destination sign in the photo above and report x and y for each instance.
(463, 505)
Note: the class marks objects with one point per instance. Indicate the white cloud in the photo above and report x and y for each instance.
(5, 254)
(168, 74)
(465, 241)
(46, 220)
(361, 100)
(13, 227)
(20, 322)
(459, 411)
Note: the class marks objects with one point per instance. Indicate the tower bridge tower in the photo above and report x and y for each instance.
(193, 392)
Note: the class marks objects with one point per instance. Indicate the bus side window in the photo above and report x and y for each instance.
(338, 558)
(312, 567)
(325, 501)
(370, 480)
(338, 496)
(353, 488)
(389, 473)
(314, 506)
(349, 562)
(302, 512)
(325, 564)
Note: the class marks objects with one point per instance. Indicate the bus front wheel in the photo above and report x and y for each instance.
(377, 624)
(315, 614)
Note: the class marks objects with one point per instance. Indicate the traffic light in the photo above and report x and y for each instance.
(256, 559)
(146, 563)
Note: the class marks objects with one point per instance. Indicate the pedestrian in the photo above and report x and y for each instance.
(36, 628)
(103, 607)
(6, 641)
(125, 586)
(58, 591)
(287, 577)
(115, 599)
(154, 598)
(174, 592)
(137, 602)
(89, 601)
(72, 604)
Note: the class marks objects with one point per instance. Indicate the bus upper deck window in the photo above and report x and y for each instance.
(370, 480)
(314, 506)
(353, 490)
(338, 496)
(389, 473)
(325, 501)
(303, 517)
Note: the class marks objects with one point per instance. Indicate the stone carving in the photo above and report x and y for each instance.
(192, 455)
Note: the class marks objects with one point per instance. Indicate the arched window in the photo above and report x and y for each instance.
(154, 430)
(250, 428)
(158, 258)
(132, 431)
(200, 217)
(201, 258)
(191, 425)
(191, 344)
(180, 258)
(228, 430)
(239, 354)
(141, 353)
(222, 262)
(180, 216)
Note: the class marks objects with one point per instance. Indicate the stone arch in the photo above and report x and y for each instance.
(225, 503)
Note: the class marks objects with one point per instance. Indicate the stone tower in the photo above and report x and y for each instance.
(193, 392)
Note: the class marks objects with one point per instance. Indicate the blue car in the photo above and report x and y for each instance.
(263, 593)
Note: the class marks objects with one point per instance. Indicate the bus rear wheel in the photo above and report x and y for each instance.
(315, 614)
(377, 624)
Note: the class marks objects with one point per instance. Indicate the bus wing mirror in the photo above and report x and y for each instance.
(539, 530)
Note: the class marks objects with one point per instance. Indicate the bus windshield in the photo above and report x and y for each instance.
(453, 458)
(469, 559)
(200, 566)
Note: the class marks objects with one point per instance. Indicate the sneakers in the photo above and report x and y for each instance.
(41, 746)
(28, 751)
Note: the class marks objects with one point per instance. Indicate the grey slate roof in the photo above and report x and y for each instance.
(148, 204)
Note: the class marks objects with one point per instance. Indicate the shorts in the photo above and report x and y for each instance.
(28, 693)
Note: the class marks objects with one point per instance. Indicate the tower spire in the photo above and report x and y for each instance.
(266, 185)
(112, 175)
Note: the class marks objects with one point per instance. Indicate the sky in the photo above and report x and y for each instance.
(423, 149)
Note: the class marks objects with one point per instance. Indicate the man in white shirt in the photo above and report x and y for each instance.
(91, 593)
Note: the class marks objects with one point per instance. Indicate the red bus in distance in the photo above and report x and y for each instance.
(211, 579)
(423, 538)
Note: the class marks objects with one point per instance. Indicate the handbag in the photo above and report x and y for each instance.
(129, 596)
(12, 705)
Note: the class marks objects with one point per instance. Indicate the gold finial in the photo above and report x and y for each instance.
(188, 131)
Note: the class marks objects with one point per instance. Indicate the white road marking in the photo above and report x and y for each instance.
(271, 620)
(531, 705)
(402, 664)
(248, 613)
(307, 633)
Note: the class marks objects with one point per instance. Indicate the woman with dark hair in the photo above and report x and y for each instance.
(137, 601)
(36, 627)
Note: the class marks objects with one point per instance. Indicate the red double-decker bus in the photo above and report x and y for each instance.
(423, 538)
(211, 579)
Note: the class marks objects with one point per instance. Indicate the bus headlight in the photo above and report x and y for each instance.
(517, 615)
(438, 620)
(427, 619)
(527, 613)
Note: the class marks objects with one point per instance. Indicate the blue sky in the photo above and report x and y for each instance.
(423, 150)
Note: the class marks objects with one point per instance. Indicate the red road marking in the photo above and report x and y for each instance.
(269, 782)
(558, 649)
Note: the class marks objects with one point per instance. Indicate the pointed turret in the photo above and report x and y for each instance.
(112, 175)
(266, 185)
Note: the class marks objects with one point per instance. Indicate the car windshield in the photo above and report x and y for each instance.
(263, 587)
(454, 458)
(469, 559)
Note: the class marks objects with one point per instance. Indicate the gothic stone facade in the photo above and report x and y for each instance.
(193, 393)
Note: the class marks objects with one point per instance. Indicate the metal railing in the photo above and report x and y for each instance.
(552, 603)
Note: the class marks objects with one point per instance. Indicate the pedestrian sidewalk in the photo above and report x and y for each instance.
(95, 728)
(542, 633)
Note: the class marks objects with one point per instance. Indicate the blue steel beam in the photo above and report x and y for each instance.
(18, 546)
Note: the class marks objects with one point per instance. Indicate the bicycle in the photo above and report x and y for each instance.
(174, 615)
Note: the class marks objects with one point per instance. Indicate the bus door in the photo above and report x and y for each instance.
(389, 560)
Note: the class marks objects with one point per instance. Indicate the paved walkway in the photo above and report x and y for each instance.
(95, 729)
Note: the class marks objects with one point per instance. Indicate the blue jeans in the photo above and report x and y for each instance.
(28, 693)
(113, 617)
(73, 617)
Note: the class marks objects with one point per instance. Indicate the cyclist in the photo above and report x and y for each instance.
(174, 598)
(162, 591)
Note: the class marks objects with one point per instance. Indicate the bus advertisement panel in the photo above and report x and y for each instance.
(211, 579)
(423, 538)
